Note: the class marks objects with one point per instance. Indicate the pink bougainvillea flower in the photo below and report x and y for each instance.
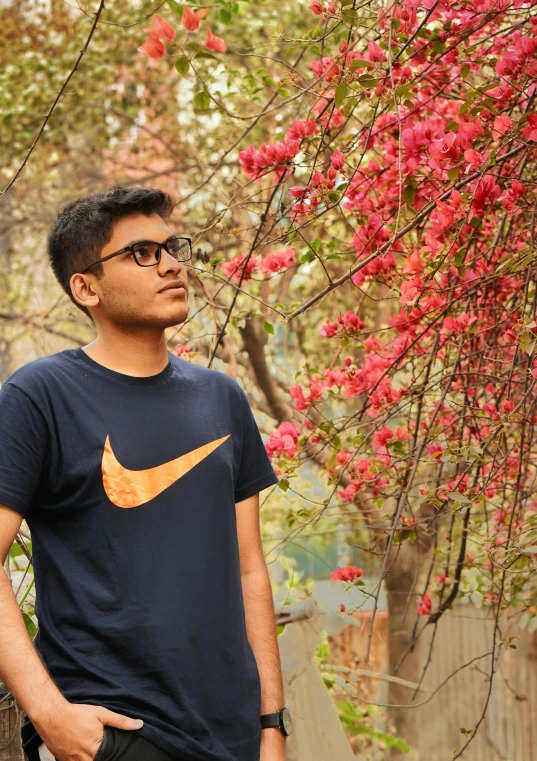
(508, 406)
(278, 260)
(338, 160)
(212, 42)
(255, 162)
(160, 29)
(284, 440)
(233, 269)
(458, 324)
(502, 124)
(153, 48)
(530, 132)
(326, 68)
(410, 290)
(510, 197)
(376, 53)
(349, 573)
(191, 19)
(301, 129)
(424, 606)
(502, 92)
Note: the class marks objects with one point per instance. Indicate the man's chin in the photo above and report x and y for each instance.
(177, 319)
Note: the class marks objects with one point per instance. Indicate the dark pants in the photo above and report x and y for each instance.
(126, 745)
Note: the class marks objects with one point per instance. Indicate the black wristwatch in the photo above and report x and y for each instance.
(280, 719)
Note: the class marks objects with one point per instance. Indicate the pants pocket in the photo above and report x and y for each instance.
(46, 755)
(102, 747)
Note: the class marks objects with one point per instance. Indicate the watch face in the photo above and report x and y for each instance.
(287, 720)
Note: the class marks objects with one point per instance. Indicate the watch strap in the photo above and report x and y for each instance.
(270, 720)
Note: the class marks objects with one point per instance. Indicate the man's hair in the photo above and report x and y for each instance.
(84, 227)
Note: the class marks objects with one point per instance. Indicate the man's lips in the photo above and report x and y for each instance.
(175, 286)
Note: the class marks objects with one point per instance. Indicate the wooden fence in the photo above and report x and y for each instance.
(461, 662)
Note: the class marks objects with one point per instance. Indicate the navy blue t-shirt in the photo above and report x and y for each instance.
(128, 486)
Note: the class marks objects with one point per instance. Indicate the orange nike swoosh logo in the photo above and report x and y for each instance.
(131, 488)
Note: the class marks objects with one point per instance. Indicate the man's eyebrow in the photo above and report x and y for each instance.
(144, 240)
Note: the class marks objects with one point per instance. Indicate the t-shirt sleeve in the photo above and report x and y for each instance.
(255, 470)
(24, 448)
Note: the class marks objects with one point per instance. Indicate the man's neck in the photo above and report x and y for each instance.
(136, 355)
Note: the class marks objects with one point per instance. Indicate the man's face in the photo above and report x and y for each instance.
(130, 295)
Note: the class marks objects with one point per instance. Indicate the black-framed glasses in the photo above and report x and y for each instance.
(147, 253)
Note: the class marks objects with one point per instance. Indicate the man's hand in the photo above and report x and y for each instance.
(272, 745)
(76, 733)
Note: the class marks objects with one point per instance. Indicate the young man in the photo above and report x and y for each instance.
(139, 475)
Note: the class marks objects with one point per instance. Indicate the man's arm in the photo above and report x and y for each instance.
(69, 731)
(260, 622)
(21, 668)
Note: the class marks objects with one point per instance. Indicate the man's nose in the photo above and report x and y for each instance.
(169, 264)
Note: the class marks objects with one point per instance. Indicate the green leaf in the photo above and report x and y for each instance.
(459, 257)
(333, 196)
(341, 92)
(176, 8)
(403, 89)
(268, 327)
(31, 628)
(226, 16)
(456, 497)
(350, 104)
(215, 259)
(358, 63)
(202, 101)
(465, 71)
(366, 80)
(316, 245)
(453, 173)
(468, 103)
(182, 65)
(409, 193)
(530, 348)
(200, 51)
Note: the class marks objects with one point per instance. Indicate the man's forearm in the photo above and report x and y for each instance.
(261, 630)
(21, 668)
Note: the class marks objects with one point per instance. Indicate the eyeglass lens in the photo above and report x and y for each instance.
(147, 253)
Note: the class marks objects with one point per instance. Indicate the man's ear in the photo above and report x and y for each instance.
(83, 290)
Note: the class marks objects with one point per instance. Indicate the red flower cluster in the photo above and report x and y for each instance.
(424, 606)
(255, 162)
(349, 324)
(348, 573)
(161, 29)
(284, 440)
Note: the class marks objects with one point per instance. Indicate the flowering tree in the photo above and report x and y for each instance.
(367, 187)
